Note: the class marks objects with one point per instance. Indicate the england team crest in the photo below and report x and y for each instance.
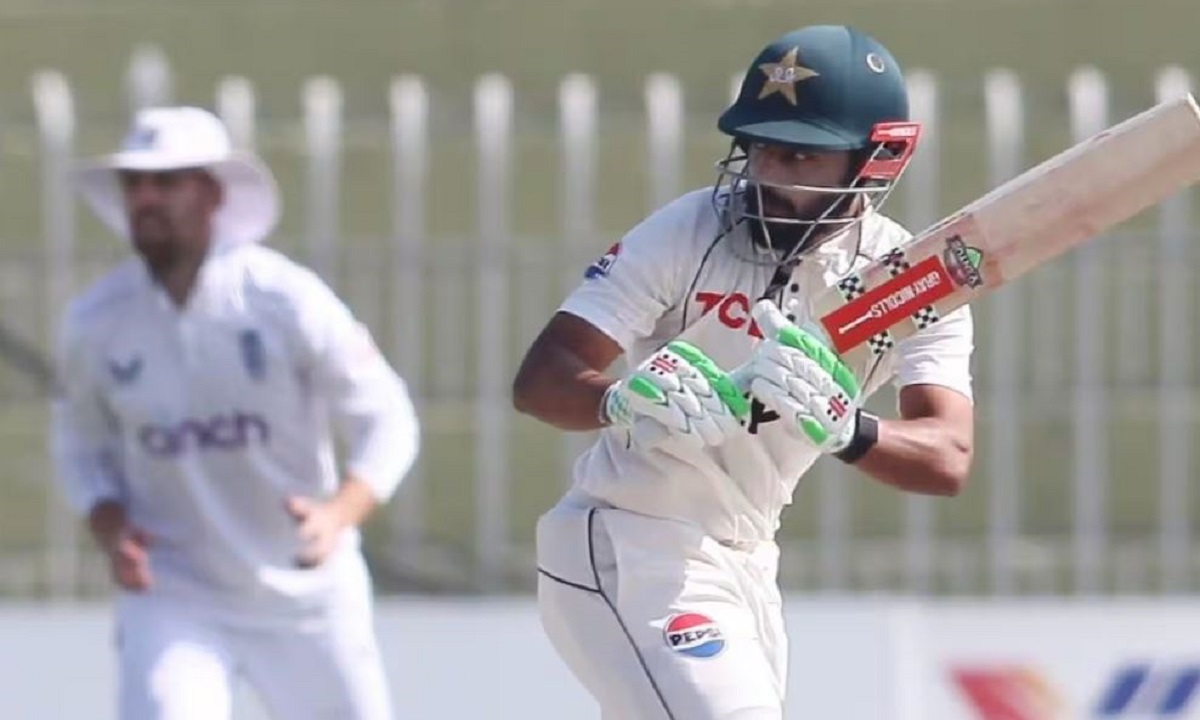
(254, 356)
(141, 138)
(125, 373)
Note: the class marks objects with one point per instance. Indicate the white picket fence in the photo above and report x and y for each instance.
(1062, 340)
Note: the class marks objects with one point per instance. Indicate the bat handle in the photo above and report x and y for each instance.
(771, 322)
(741, 377)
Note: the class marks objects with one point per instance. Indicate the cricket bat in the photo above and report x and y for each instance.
(1029, 220)
(1033, 218)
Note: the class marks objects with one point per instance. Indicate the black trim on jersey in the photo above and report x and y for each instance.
(599, 590)
(774, 291)
(562, 581)
(621, 623)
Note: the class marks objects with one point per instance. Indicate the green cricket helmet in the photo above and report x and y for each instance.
(819, 89)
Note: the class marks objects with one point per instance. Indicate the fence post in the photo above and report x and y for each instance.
(735, 85)
(923, 207)
(1088, 96)
(148, 80)
(664, 137)
(577, 105)
(322, 100)
(834, 541)
(1175, 392)
(55, 111)
(1006, 149)
(409, 112)
(493, 128)
(236, 106)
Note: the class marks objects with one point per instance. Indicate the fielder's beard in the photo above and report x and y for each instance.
(156, 242)
(167, 254)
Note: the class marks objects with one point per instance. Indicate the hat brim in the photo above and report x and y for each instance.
(249, 212)
(797, 133)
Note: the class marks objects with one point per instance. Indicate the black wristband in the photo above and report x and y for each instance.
(866, 434)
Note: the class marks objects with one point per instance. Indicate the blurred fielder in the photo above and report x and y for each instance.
(658, 569)
(201, 382)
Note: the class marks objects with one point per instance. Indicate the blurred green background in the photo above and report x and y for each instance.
(279, 44)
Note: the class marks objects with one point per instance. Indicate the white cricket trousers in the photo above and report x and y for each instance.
(178, 663)
(659, 621)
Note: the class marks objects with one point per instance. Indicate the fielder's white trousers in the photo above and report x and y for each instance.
(659, 621)
(177, 662)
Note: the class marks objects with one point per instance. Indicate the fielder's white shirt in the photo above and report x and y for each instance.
(202, 420)
(667, 276)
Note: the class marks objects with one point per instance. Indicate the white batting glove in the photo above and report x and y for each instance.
(795, 374)
(678, 393)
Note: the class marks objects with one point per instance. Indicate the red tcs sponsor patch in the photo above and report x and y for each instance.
(733, 310)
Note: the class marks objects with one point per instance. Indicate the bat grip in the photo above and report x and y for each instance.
(741, 377)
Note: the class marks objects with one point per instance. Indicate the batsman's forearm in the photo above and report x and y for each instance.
(566, 394)
(571, 404)
(925, 456)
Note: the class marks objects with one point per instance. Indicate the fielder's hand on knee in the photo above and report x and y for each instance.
(793, 373)
(679, 393)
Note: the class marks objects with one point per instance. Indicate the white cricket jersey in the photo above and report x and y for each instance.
(668, 274)
(203, 420)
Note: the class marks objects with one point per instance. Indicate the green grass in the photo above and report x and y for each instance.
(279, 44)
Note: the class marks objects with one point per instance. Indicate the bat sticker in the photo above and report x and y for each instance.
(881, 307)
(963, 261)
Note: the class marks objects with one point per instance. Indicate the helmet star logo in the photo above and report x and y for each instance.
(782, 76)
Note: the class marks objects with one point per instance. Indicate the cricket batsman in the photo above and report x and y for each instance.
(203, 383)
(658, 568)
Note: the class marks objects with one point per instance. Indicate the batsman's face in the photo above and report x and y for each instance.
(791, 181)
(169, 212)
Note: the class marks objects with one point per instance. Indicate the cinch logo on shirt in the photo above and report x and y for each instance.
(220, 432)
(733, 310)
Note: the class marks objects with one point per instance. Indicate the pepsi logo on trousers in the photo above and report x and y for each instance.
(694, 635)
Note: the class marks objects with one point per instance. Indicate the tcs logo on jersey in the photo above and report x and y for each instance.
(733, 310)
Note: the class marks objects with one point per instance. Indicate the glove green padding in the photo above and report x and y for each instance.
(718, 379)
(808, 344)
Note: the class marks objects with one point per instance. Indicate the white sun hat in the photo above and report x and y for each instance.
(176, 138)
